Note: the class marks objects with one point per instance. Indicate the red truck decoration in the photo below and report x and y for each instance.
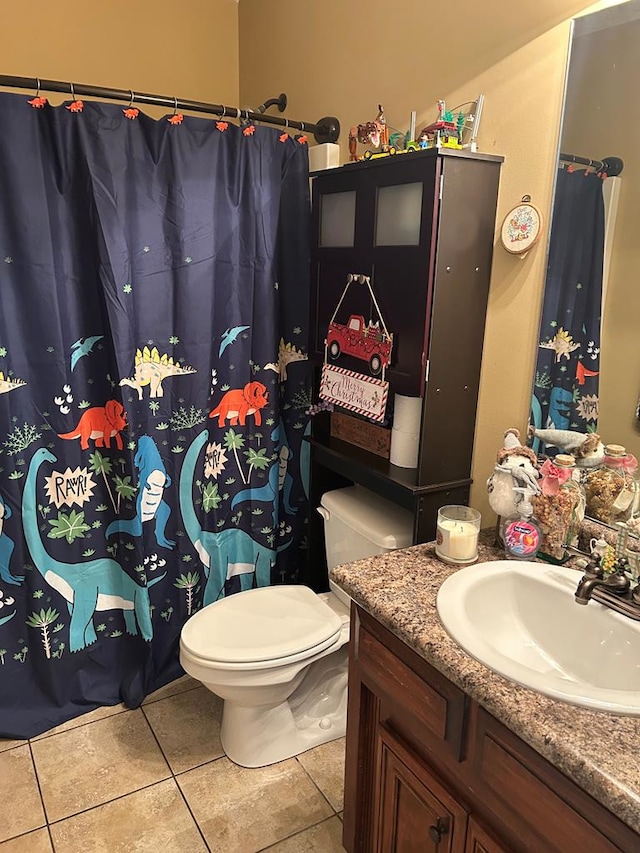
(366, 340)
(362, 340)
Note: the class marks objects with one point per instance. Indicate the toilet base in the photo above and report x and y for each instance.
(315, 713)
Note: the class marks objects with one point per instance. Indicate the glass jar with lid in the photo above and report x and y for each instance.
(560, 507)
(612, 490)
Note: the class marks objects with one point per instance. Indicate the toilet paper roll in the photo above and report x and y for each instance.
(407, 413)
(404, 448)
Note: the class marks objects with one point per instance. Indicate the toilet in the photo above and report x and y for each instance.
(278, 655)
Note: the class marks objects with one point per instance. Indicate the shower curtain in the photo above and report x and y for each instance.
(153, 389)
(565, 393)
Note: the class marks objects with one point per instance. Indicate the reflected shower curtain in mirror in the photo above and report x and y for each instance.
(565, 393)
(153, 389)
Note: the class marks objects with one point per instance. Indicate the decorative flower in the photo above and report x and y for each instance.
(131, 112)
(552, 478)
(248, 131)
(627, 463)
(75, 106)
(177, 118)
(38, 103)
(302, 140)
(284, 137)
(222, 126)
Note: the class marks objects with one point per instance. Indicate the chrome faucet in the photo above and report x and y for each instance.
(613, 590)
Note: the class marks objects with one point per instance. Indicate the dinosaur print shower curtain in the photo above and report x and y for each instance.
(565, 391)
(153, 390)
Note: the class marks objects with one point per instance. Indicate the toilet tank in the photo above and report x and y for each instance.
(358, 523)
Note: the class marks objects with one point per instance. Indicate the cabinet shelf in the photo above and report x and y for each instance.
(399, 485)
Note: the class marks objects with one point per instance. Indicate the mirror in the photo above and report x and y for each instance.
(587, 375)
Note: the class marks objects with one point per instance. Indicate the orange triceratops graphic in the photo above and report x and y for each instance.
(100, 424)
(240, 402)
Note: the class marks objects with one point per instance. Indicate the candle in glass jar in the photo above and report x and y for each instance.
(457, 540)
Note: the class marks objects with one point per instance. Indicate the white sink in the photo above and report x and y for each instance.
(521, 620)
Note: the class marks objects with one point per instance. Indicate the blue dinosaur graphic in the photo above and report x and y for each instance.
(83, 347)
(96, 585)
(229, 336)
(5, 619)
(535, 419)
(305, 459)
(560, 402)
(6, 548)
(152, 481)
(226, 554)
(279, 480)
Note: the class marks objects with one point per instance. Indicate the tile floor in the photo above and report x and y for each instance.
(115, 781)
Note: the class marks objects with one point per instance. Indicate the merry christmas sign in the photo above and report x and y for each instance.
(354, 391)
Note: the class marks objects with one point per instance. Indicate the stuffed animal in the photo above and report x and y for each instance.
(586, 447)
(515, 477)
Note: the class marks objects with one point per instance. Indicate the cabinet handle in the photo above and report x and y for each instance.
(439, 830)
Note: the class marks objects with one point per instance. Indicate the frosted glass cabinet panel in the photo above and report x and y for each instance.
(398, 215)
(338, 219)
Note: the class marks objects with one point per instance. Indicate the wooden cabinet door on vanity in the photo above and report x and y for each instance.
(480, 841)
(416, 814)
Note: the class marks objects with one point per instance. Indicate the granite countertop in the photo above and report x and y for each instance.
(595, 749)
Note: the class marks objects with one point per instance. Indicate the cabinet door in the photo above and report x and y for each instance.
(377, 220)
(416, 814)
(480, 841)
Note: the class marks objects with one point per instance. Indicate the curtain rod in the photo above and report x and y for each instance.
(326, 129)
(611, 165)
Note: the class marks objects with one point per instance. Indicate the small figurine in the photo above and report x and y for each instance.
(445, 131)
(515, 477)
(586, 447)
(374, 133)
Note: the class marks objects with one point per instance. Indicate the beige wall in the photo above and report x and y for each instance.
(604, 80)
(339, 58)
(188, 49)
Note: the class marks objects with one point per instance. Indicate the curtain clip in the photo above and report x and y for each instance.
(176, 118)
(131, 112)
(38, 102)
(76, 105)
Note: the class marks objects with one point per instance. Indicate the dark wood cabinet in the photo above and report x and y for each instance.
(416, 814)
(427, 769)
(421, 227)
(481, 841)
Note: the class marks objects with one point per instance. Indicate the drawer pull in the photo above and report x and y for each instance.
(439, 830)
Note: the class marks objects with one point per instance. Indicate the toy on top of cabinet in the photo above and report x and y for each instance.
(454, 128)
(445, 131)
(374, 133)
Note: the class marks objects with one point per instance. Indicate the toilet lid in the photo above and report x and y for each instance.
(261, 624)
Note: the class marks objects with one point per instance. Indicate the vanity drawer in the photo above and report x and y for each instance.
(414, 696)
(543, 808)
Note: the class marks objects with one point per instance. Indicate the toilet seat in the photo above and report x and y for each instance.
(261, 628)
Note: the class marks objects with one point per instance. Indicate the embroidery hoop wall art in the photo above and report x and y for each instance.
(521, 227)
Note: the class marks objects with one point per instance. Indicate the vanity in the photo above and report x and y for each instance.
(443, 754)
